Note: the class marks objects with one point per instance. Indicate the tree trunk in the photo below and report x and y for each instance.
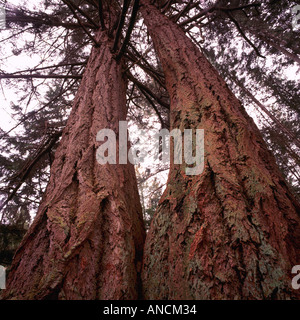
(231, 232)
(86, 241)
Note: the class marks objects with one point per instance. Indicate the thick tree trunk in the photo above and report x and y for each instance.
(231, 232)
(87, 239)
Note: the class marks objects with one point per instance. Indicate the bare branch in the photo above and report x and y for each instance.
(136, 61)
(84, 14)
(154, 107)
(148, 69)
(130, 28)
(120, 25)
(166, 6)
(184, 10)
(39, 76)
(142, 58)
(140, 85)
(16, 34)
(50, 67)
(100, 8)
(197, 16)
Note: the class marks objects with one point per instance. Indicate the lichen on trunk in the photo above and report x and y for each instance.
(233, 231)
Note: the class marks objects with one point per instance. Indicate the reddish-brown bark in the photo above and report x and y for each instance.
(87, 239)
(233, 231)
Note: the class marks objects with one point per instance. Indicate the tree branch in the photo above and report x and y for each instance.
(184, 10)
(50, 67)
(269, 114)
(25, 171)
(120, 25)
(100, 8)
(130, 28)
(163, 124)
(20, 18)
(215, 8)
(81, 23)
(239, 7)
(166, 6)
(141, 86)
(40, 109)
(149, 70)
(83, 14)
(141, 58)
(197, 16)
(39, 76)
(243, 34)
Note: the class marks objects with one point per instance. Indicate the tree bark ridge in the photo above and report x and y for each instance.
(233, 231)
(87, 239)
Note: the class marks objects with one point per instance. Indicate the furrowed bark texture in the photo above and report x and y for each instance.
(87, 239)
(231, 232)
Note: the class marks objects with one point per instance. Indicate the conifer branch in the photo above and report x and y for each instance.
(88, 18)
(154, 107)
(120, 25)
(141, 86)
(50, 67)
(43, 148)
(243, 34)
(215, 8)
(81, 23)
(20, 18)
(31, 114)
(39, 76)
(100, 9)
(130, 28)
